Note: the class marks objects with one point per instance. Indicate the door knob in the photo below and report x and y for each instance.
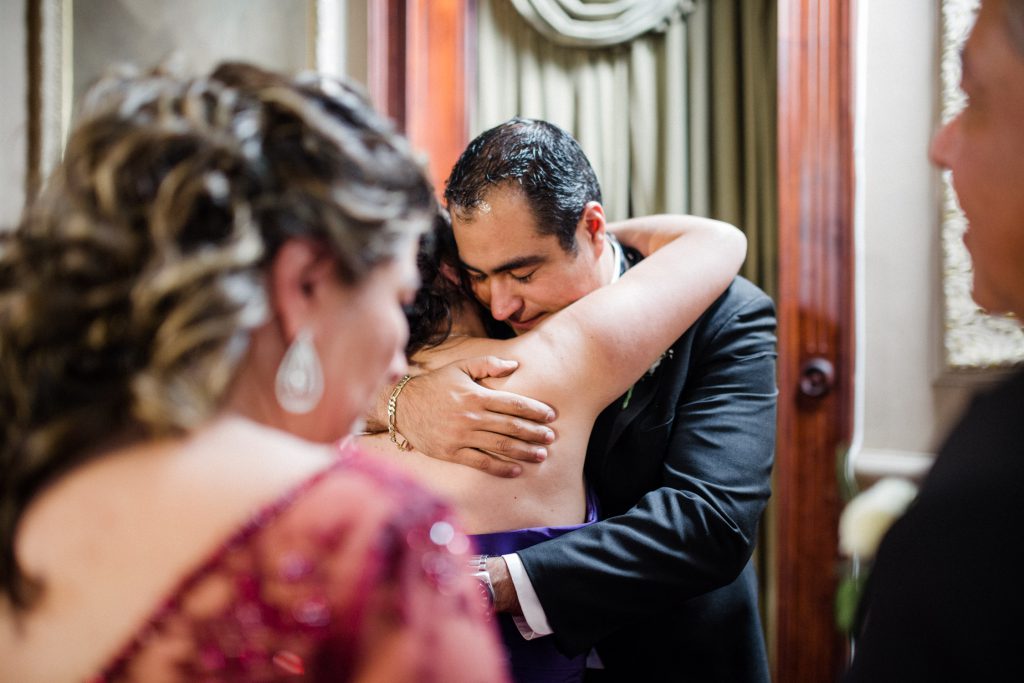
(817, 377)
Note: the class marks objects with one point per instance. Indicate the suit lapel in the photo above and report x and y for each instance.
(632, 404)
(642, 394)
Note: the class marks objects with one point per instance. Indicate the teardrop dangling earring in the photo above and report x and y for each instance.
(300, 379)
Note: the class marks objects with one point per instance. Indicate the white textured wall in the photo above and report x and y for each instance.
(274, 33)
(905, 405)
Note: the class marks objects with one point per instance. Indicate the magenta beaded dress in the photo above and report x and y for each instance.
(356, 574)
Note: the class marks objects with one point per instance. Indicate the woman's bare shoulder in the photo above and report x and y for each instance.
(132, 522)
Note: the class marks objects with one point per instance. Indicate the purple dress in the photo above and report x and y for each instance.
(537, 660)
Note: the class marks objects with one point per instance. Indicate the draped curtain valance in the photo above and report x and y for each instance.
(599, 23)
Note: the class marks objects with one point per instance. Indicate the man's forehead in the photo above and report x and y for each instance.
(505, 201)
(483, 207)
(501, 233)
(488, 249)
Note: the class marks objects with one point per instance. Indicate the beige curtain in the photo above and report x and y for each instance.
(679, 117)
(740, 106)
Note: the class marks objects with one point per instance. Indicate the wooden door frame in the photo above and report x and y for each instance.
(815, 303)
(816, 323)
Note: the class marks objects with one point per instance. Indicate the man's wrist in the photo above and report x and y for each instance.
(377, 418)
(505, 597)
(478, 563)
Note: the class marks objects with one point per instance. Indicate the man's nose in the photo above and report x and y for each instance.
(504, 301)
(940, 151)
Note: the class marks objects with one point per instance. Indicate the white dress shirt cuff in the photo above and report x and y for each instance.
(533, 623)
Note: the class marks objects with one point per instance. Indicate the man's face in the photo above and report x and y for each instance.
(521, 275)
(984, 148)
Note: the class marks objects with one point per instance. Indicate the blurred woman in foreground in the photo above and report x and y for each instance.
(212, 282)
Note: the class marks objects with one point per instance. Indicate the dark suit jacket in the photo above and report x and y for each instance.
(663, 586)
(945, 598)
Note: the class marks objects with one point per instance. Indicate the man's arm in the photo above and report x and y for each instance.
(695, 532)
(448, 415)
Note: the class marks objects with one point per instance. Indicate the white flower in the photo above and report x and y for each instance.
(870, 514)
(649, 373)
(654, 366)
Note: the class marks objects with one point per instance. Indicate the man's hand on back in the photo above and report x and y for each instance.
(448, 415)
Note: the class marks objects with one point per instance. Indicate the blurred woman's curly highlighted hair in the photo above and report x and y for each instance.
(129, 290)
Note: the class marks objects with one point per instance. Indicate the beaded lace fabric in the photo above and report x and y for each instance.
(356, 572)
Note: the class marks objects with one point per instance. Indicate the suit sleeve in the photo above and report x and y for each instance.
(695, 531)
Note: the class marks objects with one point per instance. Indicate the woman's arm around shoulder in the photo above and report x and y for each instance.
(610, 337)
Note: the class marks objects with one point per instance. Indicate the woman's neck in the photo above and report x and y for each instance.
(466, 321)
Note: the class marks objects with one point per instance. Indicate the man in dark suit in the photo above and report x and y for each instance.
(944, 600)
(662, 587)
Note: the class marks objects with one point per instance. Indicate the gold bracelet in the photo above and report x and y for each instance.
(393, 413)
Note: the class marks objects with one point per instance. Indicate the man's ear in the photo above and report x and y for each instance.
(298, 271)
(592, 226)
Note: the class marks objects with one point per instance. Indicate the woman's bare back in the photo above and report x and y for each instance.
(546, 494)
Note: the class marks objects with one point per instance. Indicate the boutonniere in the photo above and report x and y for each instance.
(650, 371)
(864, 521)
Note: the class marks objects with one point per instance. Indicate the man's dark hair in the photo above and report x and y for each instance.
(544, 160)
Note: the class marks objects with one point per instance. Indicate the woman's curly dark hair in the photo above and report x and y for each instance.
(430, 315)
(129, 291)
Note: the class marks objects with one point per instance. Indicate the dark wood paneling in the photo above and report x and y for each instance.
(815, 322)
(419, 53)
(386, 45)
(436, 91)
